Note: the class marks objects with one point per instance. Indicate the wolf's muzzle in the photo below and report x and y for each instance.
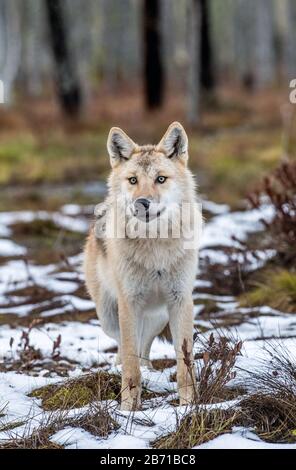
(142, 205)
(147, 210)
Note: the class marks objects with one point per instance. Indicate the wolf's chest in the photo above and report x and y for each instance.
(158, 257)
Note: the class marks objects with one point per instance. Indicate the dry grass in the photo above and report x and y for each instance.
(45, 241)
(200, 424)
(7, 426)
(279, 189)
(96, 419)
(272, 417)
(198, 427)
(29, 359)
(276, 288)
(218, 361)
(270, 408)
(161, 364)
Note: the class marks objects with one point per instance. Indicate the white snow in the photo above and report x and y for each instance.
(9, 248)
(88, 346)
(238, 441)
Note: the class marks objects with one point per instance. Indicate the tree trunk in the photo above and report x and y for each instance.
(10, 46)
(68, 87)
(290, 40)
(35, 51)
(244, 41)
(194, 39)
(207, 70)
(153, 60)
(264, 69)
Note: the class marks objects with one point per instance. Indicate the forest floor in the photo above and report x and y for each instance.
(241, 136)
(59, 387)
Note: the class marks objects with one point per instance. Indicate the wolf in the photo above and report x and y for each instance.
(142, 285)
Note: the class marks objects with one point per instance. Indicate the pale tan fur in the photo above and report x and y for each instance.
(141, 285)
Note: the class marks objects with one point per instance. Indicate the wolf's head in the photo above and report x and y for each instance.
(151, 180)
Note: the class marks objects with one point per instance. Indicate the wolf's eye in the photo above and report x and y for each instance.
(133, 180)
(161, 179)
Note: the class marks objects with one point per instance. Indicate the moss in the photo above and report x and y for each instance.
(276, 289)
(77, 393)
(64, 397)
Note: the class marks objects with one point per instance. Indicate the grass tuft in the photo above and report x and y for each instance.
(276, 289)
(217, 369)
(96, 419)
(271, 416)
(76, 393)
(198, 427)
(270, 409)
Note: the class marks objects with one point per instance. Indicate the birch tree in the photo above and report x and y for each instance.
(244, 41)
(290, 39)
(10, 46)
(35, 60)
(194, 43)
(264, 47)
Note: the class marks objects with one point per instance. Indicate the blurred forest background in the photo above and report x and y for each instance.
(73, 68)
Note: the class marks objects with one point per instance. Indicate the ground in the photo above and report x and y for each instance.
(59, 386)
(50, 336)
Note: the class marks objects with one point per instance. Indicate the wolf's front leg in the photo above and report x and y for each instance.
(131, 375)
(181, 325)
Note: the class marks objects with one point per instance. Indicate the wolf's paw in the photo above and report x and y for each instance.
(188, 395)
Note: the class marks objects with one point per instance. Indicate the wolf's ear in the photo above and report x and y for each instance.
(120, 146)
(175, 142)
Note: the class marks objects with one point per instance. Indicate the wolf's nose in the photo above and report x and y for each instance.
(141, 204)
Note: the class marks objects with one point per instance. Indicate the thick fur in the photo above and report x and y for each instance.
(140, 286)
